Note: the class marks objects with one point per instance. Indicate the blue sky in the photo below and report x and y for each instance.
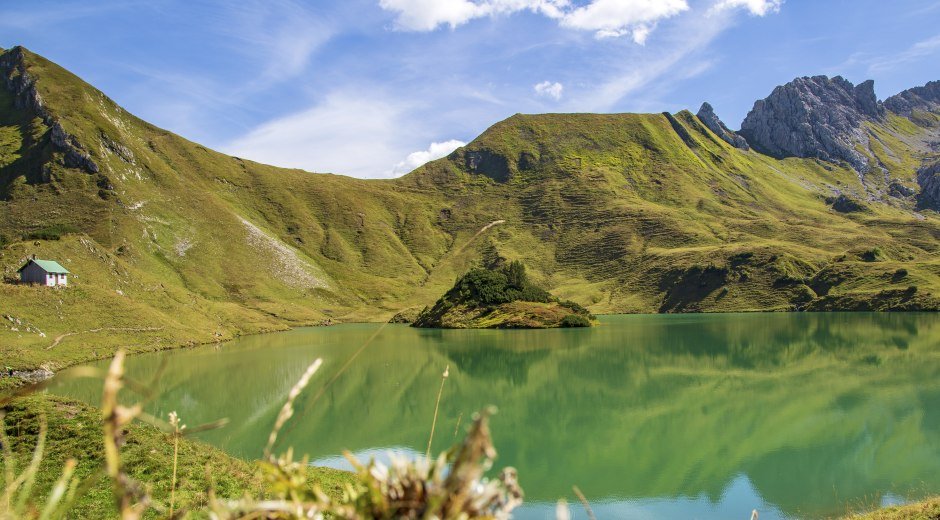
(371, 88)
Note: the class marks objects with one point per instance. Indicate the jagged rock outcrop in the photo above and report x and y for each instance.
(814, 117)
(928, 178)
(926, 98)
(17, 80)
(715, 124)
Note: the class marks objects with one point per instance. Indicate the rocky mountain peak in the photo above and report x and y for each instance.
(926, 98)
(16, 78)
(711, 120)
(814, 117)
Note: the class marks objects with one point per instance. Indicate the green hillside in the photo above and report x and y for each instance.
(171, 243)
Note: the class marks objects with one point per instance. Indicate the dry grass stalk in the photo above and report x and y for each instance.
(177, 433)
(131, 498)
(584, 502)
(287, 411)
(457, 427)
(437, 407)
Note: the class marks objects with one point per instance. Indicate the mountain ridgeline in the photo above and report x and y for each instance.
(825, 199)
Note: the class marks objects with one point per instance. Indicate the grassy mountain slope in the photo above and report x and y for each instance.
(170, 242)
(645, 213)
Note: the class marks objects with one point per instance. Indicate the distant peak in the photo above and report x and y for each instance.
(926, 98)
(711, 120)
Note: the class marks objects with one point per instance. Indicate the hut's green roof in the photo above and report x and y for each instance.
(49, 266)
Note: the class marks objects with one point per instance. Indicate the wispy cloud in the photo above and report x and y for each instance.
(353, 133)
(680, 50)
(280, 36)
(19, 16)
(918, 51)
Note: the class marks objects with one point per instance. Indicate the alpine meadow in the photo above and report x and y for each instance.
(806, 243)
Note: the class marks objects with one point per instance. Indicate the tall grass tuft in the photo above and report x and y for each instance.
(18, 489)
(131, 499)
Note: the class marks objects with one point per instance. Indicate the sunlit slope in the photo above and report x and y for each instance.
(655, 213)
(161, 233)
(170, 242)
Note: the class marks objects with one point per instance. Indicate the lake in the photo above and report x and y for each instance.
(652, 416)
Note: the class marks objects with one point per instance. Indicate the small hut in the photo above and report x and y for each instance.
(44, 272)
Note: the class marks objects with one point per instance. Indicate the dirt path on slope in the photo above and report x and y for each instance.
(60, 337)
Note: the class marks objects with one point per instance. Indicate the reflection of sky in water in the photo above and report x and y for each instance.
(736, 501)
(382, 455)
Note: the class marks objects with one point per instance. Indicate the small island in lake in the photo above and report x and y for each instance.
(501, 298)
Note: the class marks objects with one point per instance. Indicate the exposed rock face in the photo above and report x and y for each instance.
(900, 191)
(711, 120)
(928, 178)
(844, 204)
(814, 117)
(925, 98)
(31, 376)
(680, 130)
(491, 164)
(17, 80)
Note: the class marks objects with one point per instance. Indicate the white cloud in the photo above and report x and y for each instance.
(606, 18)
(435, 151)
(355, 134)
(618, 17)
(427, 15)
(755, 7)
(549, 89)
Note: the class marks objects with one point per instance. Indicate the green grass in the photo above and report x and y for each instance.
(74, 431)
(925, 510)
